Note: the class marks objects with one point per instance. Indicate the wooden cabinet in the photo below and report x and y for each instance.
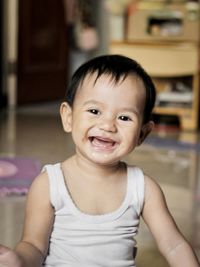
(169, 63)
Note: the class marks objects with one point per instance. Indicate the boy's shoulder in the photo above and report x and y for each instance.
(153, 191)
(39, 191)
(151, 182)
(40, 180)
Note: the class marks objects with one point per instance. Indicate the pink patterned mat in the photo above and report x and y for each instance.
(17, 174)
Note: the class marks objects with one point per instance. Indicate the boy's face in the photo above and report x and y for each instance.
(106, 118)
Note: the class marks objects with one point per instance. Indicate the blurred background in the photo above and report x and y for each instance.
(43, 42)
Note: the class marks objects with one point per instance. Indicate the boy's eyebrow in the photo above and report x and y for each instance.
(132, 110)
(91, 102)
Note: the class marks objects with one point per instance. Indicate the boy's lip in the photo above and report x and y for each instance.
(102, 143)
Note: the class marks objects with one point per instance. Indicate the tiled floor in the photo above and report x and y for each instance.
(36, 132)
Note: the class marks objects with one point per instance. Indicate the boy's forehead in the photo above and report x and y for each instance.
(93, 84)
(94, 77)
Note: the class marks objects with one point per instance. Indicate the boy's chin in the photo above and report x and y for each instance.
(104, 159)
(100, 158)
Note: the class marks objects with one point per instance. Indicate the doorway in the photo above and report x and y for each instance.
(42, 51)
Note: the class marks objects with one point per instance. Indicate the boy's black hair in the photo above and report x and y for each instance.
(117, 66)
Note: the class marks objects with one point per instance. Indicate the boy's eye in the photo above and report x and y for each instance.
(94, 111)
(124, 118)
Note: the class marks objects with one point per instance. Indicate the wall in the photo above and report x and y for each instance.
(10, 43)
(10, 49)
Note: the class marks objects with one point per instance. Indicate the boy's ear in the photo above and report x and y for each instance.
(146, 129)
(66, 116)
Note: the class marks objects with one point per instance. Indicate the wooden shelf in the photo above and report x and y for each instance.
(164, 55)
(172, 110)
(188, 117)
(167, 61)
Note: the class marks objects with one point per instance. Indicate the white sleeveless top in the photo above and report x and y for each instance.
(82, 240)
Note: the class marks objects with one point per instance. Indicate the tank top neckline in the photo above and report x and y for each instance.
(113, 215)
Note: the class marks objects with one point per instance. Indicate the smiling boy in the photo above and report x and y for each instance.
(86, 210)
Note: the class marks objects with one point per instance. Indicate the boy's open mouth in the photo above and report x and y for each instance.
(101, 142)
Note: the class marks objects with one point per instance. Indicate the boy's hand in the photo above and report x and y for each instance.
(9, 258)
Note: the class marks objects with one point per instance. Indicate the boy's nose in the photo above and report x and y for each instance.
(108, 124)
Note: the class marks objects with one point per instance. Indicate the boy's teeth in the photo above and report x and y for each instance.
(99, 141)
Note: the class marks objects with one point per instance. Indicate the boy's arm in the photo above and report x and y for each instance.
(25, 255)
(39, 217)
(170, 241)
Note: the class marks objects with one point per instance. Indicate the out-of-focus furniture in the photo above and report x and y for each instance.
(164, 39)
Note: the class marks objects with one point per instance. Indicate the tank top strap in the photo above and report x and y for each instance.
(56, 184)
(136, 187)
